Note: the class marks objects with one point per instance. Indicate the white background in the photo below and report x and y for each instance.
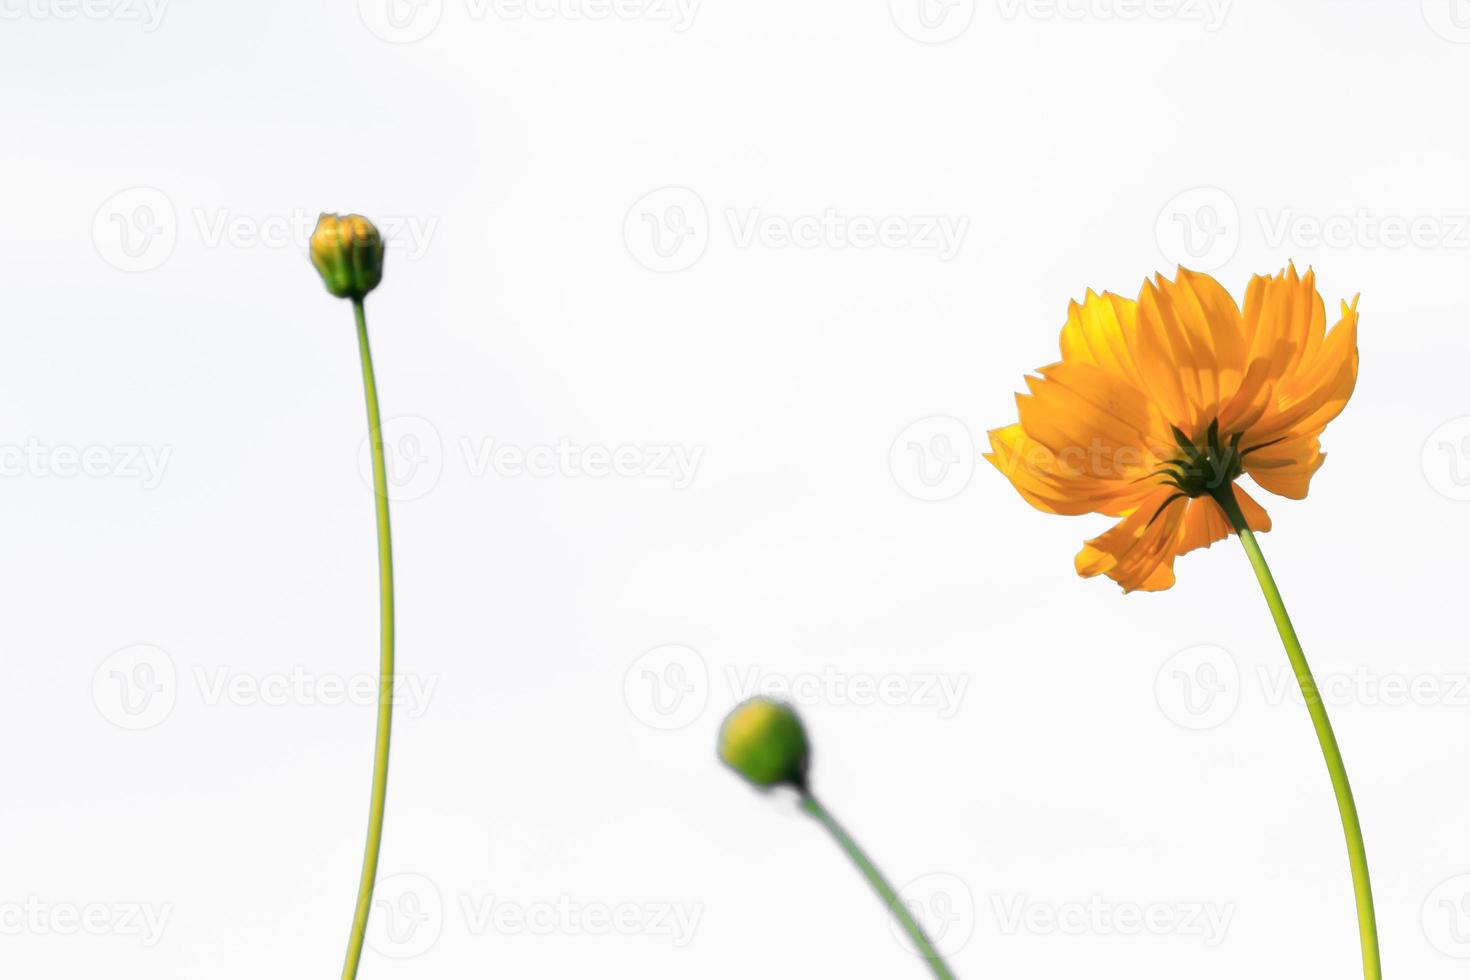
(1104, 755)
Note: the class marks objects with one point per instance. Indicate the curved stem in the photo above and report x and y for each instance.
(880, 885)
(1357, 853)
(385, 670)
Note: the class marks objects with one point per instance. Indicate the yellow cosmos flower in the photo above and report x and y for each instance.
(1158, 405)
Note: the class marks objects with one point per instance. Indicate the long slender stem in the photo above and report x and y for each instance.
(1357, 853)
(385, 670)
(880, 885)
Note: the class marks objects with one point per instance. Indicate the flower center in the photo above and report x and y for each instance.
(1204, 467)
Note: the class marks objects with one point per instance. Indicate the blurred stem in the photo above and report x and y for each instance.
(1357, 853)
(880, 885)
(385, 668)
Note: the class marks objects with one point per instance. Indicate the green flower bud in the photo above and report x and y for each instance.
(764, 741)
(348, 251)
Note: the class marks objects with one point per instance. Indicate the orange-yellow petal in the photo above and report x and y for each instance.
(1191, 347)
(1205, 523)
(1052, 484)
(1284, 317)
(1097, 332)
(1092, 419)
(1138, 552)
(1286, 468)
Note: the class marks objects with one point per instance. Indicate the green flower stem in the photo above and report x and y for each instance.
(1357, 853)
(385, 670)
(880, 885)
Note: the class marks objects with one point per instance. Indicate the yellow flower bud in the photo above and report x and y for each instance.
(764, 741)
(348, 251)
